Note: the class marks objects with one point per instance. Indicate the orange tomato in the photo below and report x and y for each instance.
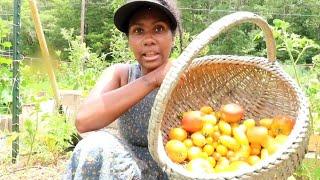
(257, 134)
(176, 151)
(178, 134)
(191, 121)
(232, 113)
(255, 149)
(281, 125)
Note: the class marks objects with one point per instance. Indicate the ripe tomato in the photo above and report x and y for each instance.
(231, 113)
(206, 109)
(200, 166)
(194, 152)
(266, 122)
(207, 129)
(281, 125)
(209, 149)
(209, 118)
(229, 142)
(225, 127)
(240, 136)
(188, 143)
(191, 121)
(176, 151)
(198, 139)
(257, 134)
(178, 134)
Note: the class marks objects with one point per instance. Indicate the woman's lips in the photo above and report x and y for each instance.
(150, 56)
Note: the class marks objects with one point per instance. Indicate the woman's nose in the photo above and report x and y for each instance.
(148, 39)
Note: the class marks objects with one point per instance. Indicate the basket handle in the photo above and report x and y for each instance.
(185, 59)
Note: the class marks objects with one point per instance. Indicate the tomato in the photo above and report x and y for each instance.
(264, 154)
(209, 118)
(222, 150)
(176, 151)
(191, 121)
(209, 149)
(198, 139)
(252, 160)
(200, 166)
(281, 139)
(225, 127)
(216, 135)
(206, 109)
(209, 140)
(231, 113)
(255, 149)
(207, 129)
(216, 156)
(194, 152)
(266, 122)
(257, 134)
(229, 142)
(249, 123)
(240, 136)
(212, 161)
(178, 134)
(238, 165)
(281, 125)
(188, 143)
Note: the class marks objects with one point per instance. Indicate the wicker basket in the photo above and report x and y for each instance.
(256, 83)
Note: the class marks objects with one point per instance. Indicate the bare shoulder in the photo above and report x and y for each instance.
(111, 78)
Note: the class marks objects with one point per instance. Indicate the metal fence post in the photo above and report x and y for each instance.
(16, 108)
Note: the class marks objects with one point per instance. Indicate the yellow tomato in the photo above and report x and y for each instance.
(188, 143)
(178, 134)
(281, 139)
(207, 129)
(200, 166)
(194, 153)
(222, 150)
(198, 139)
(224, 127)
(249, 123)
(206, 109)
(240, 136)
(264, 154)
(209, 149)
(209, 140)
(212, 161)
(209, 118)
(216, 135)
(238, 165)
(252, 160)
(266, 122)
(229, 142)
(176, 151)
(216, 156)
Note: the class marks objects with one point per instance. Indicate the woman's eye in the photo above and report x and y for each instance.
(137, 30)
(159, 28)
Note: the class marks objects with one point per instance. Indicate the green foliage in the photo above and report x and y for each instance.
(82, 66)
(5, 68)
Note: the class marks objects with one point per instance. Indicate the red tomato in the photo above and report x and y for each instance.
(232, 113)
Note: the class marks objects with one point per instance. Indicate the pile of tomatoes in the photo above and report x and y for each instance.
(211, 141)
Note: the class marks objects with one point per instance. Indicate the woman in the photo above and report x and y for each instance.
(127, 95)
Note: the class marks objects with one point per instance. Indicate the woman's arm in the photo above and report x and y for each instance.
(104, 105)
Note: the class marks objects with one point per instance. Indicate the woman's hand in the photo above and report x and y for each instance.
(156, 76)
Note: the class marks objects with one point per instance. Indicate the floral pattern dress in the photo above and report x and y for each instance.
(103, 155)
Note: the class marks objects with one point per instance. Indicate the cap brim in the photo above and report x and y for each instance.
(124, 13)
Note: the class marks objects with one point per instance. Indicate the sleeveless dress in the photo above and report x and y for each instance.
(125, 155)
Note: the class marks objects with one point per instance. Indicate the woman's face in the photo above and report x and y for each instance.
(150, 38)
